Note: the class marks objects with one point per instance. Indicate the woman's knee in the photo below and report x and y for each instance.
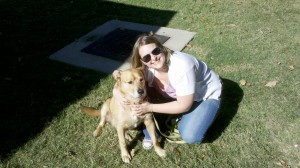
(192, 139)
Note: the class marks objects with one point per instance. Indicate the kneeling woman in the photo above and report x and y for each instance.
(193, 86)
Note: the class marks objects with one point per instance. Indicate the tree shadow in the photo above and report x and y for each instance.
(232, 95)
(35, 89)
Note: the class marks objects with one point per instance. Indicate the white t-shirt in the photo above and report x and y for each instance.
(187, 75)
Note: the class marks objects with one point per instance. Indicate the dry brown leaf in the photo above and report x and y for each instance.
(66, 78)
(202, 157)
(291, 67)
(70, 153)
(189, 45)
(231, 25)
(271, 84)
(243, 82)
(204, 18)
(176, 151)
(283, 163)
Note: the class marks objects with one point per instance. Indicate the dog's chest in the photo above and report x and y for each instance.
(132, 121)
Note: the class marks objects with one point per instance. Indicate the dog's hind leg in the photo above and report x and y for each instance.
(128, 137)
(103, 113)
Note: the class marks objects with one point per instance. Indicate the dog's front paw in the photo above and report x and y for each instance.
(96, 133)
(160, 152)
(126, 158)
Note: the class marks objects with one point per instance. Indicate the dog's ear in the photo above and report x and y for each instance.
(117, 74)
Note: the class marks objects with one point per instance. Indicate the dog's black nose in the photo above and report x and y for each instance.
(140, 91)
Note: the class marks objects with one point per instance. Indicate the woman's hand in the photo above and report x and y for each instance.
(120, 98)
(141, 109)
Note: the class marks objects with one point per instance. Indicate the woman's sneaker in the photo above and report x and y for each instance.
(148, 144)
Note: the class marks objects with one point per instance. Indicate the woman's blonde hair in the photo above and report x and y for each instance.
(144, 40)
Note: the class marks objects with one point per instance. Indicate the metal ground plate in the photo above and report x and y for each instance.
(108, 47)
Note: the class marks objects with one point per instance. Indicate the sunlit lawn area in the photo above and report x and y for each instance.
(253, 45)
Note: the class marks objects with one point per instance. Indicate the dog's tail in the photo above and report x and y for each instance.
(90, 111)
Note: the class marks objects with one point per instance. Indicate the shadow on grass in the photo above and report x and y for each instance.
(32, 100)
(34, 89)
(232, 95)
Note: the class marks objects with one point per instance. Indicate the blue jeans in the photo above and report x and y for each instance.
(195, 123)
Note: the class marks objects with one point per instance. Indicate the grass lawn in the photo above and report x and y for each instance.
(253, 45)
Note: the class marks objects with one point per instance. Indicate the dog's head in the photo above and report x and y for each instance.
(131, 83)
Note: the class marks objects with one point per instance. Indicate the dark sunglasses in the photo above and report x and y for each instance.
(147, 57)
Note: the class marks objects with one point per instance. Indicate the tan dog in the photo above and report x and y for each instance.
(131, 84)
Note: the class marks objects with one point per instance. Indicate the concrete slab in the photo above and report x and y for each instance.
(72, 53)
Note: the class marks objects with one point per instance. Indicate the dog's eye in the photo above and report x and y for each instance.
(141, 80)
(130, 82)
